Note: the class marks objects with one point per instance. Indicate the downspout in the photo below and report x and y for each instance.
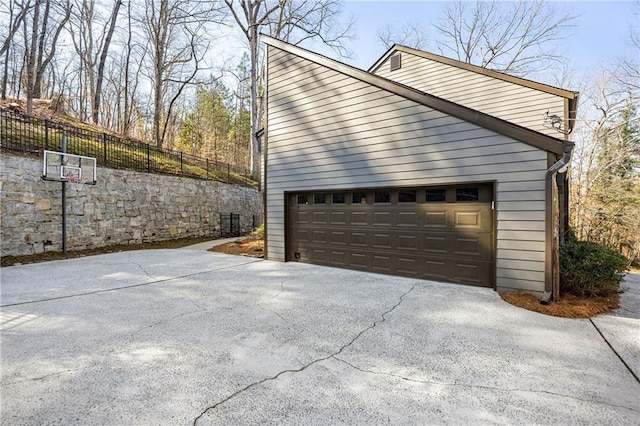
(559, 166)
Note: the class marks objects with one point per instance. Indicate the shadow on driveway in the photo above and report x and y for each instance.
(183, 337)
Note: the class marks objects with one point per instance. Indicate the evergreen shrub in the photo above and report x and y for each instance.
(589, 269)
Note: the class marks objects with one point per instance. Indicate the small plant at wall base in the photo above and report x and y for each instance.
(590, 270)
(258, 232)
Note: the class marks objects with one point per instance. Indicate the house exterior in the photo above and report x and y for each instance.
(393, 172)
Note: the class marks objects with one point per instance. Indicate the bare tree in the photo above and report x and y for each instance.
(413, 35)
(514, 37)
(294, 21)
(40, 44)
(92, 41)
(14, 22)
(250, 18)
(103, 57)
(175, 31)
(605, 176)
(17, 12)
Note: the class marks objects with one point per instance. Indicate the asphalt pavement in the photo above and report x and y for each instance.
(183, 336)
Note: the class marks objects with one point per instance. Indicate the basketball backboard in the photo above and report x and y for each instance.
(61, 167)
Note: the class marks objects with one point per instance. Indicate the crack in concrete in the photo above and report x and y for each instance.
(463, 385)
(383, 318)
(140, 266)
(259, 304)
(33, 379)
(433, 382)
(126, 287)
(165, 321)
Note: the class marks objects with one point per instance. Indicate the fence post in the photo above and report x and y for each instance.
(104, 147)
(207, 167)
(148, 158)
(228, 173)
(181, 171)
(46, 134)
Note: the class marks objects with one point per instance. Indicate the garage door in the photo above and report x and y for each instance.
(437, 233)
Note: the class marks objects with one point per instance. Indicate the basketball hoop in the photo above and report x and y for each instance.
(78, 170)
(78, 182)
(63, 167)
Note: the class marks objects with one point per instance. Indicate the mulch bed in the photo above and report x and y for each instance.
(569, 306)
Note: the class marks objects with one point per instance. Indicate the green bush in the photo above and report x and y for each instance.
(588, 269)
(259, 231)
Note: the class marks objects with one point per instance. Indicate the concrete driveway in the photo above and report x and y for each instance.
(179, 337)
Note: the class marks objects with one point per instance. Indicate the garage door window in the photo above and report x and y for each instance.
(319, 198)
(383, 197)
(302, 199)
(359, 198)
(436, 195)
(407, 196)
(338, 198)
(467, 194)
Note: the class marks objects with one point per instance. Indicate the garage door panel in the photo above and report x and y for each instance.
(435, 270)
(338, 238)
(358, 260)
(408, 266)
(435, 219)
(320, 217)
(476, 219)
(407, 242)
(302, 235)
(407, 219)
(479, 246)
(319, 236)
(434, 244)
(338, 258)
(381, 218)
(318, 256)
(382, 263)
(359, 239)
(338, 218)
(303, 217)
(381, 240)
(466, 219)
(467, 272)
(445, 241)
(358, 217)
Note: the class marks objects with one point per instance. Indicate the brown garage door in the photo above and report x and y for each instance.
(439, 233)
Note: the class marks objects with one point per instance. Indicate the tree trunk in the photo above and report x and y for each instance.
(103, 58)
(31, 57)
(255, 148)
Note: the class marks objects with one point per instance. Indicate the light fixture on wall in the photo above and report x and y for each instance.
(554, 121)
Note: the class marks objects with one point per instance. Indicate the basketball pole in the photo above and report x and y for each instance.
(64, 201)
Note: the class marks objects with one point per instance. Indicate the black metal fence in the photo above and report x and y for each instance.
(229, 225)
(31, 135)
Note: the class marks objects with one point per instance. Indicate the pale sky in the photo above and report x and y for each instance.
(601, 34)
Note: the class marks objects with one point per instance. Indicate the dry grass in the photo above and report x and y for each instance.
(43, 257)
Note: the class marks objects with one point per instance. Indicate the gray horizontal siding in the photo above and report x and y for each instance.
(329, 131)
(509, 101)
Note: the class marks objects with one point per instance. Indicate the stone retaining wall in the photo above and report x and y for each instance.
(122, 208)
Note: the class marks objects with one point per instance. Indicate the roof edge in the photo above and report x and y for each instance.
(569, 94)
(528, 136)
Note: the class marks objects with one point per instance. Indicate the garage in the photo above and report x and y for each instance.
(443, 233)
(369, 170)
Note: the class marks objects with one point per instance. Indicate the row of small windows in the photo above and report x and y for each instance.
(384, 197)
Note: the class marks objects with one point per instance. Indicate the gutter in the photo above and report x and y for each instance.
(559, 166)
